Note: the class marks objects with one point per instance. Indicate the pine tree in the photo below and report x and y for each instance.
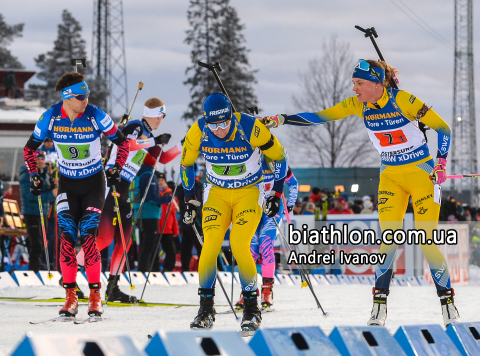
(7, 35)
(216, 36)
(69, 44)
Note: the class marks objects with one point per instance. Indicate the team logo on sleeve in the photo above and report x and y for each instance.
(106, 120)
(257, 131)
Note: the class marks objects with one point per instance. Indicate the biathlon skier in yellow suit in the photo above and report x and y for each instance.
(392, 118)
(232, 145)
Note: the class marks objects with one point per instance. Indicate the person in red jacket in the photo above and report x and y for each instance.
(171, 227)
(341, 207)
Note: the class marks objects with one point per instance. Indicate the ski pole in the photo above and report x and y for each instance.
(157, 245)
(119, 218)
(218, 279)
(283, 242)
(138, 212)
(304, 282)
(302, 272)
(123, 121)
(233, 268)
(473, 175)
(45, 242)
(213, 68)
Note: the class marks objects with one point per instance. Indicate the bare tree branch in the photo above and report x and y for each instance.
(325, 83)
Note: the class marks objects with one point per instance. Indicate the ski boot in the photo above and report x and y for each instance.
(116, 295)
(449, 310)
(71, 301)
(267, 294)
(252, 316)
(239, 305)
(80, 294)
(95, 300)
(206, 312)
(379, 309)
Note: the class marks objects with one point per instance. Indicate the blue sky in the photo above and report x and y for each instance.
(282, 36)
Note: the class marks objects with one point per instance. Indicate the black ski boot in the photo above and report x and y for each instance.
(116, 295)
(206, 312)
(252, 317)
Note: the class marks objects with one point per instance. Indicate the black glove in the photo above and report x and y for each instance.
(191, 212)
(36, 185)
(113, 175)
(272, 205)
(163, 139)
(289, 208)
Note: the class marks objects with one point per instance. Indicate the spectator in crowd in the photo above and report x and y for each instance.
(171, 226)
(10, 84)
(316, 196)
(475, 251)
(2, 212)
(189, 238)
(298, 207)
(367, 207)
(31, 211)
(309, 208)
(341, 207)
(149, 216)
(357, 206)
(48, 149)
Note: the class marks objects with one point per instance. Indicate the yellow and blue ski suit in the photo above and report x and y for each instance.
(234, 189)
(405, 170)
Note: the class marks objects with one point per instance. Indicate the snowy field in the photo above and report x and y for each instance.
(294, 306)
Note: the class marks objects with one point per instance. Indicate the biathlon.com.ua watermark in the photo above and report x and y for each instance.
(334, 236)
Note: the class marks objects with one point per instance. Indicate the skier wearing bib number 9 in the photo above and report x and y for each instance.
(232, 145)
(75, 127)
(394, 120)
(139, 134)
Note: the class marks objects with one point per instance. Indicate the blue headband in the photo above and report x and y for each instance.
(74, 90)
(363, 70)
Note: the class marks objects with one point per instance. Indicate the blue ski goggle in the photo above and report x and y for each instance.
(363, 70)
(220, 125)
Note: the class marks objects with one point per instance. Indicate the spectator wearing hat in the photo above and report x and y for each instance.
(316, 196)
(31, 211)
(189, 238)
(49, 151)
(298, 207)
(367, 207)
(341, 207)
(169, 219)
(149, 216)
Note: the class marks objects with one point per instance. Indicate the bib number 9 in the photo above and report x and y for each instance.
(75, 151)
(391, 138)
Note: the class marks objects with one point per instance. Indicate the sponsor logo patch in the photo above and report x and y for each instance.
(210, 218)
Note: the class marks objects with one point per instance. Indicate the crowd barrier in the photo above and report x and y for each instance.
(29, 278)
(458, 339)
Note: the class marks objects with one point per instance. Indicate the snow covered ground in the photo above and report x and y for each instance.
(294, 306)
